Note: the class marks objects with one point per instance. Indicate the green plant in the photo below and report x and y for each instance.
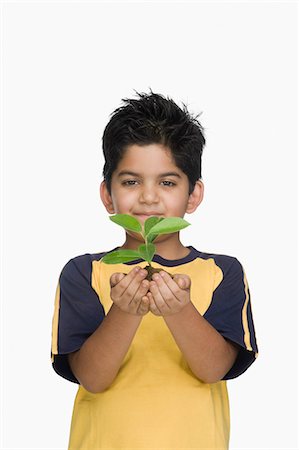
(152, 228)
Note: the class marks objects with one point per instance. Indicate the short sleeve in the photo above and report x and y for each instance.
(230, 314)
(77, 313)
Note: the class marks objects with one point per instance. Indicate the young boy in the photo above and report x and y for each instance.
(152, 357)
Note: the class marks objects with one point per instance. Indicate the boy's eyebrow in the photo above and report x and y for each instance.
(134, 174)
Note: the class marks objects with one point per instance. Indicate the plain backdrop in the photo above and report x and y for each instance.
(65, 67)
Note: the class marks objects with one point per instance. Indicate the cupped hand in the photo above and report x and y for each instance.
(129, 291)
(168, 295)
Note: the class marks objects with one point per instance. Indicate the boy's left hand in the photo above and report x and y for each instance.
(168, 295)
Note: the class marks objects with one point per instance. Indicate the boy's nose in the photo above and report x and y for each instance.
(149, 195)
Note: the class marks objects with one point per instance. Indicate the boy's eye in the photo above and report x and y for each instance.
(168, 183)
(129, 182)
(132, 183)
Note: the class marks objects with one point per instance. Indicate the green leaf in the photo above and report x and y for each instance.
(150, 222)
(147, 251)
(121, 256)
(169, 225)
(150, 237)
(126, 221)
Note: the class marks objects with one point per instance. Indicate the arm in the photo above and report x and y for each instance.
(97, 362)
(208, 354)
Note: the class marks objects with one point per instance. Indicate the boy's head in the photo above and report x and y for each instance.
(154, 119)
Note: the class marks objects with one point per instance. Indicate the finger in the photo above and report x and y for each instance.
(116, 278)
(180, 282)
(132, 289)
(143, 306)
(127, 279)
(152, 305)
(158, 297)
(141, 292)
(169, 296)
(183, 281)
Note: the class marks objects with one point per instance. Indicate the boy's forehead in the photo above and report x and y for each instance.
(145, 159)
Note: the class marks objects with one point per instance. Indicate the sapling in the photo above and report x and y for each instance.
(150, 230)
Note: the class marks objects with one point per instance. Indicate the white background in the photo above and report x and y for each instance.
(65, 67)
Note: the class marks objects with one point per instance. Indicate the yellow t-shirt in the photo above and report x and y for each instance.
(155, 401)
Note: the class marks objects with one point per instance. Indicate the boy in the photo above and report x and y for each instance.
(152, 357)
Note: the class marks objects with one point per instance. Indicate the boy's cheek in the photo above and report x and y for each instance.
(162, 237)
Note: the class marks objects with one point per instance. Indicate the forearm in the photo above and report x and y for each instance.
(98, 361)
(207, 353)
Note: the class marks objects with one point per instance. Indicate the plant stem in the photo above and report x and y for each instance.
(146, 243)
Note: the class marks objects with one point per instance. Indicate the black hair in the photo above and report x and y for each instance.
(154, 119)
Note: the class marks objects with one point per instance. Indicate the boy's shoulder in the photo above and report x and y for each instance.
(226, 263)
(81, 264)
(87, 258)
(218, 257)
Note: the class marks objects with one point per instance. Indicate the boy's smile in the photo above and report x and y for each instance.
(146, 183)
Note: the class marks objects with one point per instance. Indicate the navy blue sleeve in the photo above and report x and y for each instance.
(79, 310)
(230, 313)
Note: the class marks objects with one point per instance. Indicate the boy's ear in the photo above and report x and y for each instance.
(196, 197)
(106, 198)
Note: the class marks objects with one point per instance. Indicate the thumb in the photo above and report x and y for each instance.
(116, 278)
(183, 281)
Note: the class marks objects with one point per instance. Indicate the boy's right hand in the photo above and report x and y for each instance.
(129, 291)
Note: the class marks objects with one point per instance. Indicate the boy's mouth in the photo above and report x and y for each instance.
(147, 215)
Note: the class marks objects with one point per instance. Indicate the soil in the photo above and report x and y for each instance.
(151, 271)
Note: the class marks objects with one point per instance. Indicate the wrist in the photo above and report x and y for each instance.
(126, 315)
(185, 310)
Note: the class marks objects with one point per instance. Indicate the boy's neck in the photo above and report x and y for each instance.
(170, 248)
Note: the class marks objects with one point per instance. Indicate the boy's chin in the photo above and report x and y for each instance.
(135, 236)
(139, 238)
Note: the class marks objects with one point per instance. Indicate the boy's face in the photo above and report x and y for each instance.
(147, 182)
